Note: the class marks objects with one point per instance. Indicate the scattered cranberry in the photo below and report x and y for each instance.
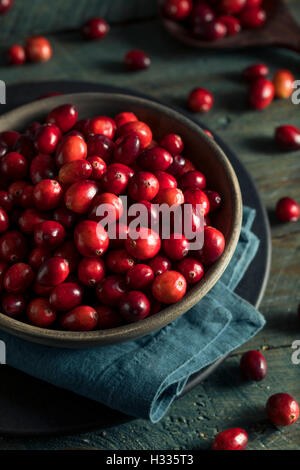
(253, 17)
(134, 306)
(214, 244)
(38, 49)
(66, 296)
(178, 9)
(108, 318)
(64, 117)
(253, 366)
(287, 210)
(91, 239)
(13, 305)
(200, 100)
(137, 60)
(256, 71)
(53, 271)
(169, 287)
(40, 313)
(282, 409)
(231, 439)
(95, 28)
(288, 137)
(191, 269)
(5, 5)
(16, 55)
(18, 278)
(261, 93)
(145, 243)
(284, 83)
(110, 290)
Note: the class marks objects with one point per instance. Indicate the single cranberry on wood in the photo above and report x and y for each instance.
(5, 5)
(287, 137)
(282, 409)
(200, 100)
(253, 366)
(95, 28)
(38, 49)
(287, 210)
(231, 439)
(16, 55)
(255, 71)
(137, 60)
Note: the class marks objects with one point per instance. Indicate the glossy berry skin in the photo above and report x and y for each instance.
(196, 197)
(90, 238)
(75, 171)
(231, 439)
(109, 203)
(108, 318)
(38, 49)
(98, 167)
(252, 17)
(256, 71)
(134, 306)
(191, 269)
(214, 245)
(4, 221)
(139, 277)
(103, 125)
(13, 246)
(165, 180)
(177, 167)
(137, 60)
(169, 287)
(214, 199)
(232, 24)
(64, 117)
(13, 305)
(66, 296)
(46, 138)
(81, 318)
(171, 197)
(16, 55)
(287, 210)
(95, 28)
(3, 149)
(18, 278)
(232, 7)
(29, 219)
(65, 217)
(200, 100)
(282, 409)
(145, 246)
(100, 145)
(284, 83)
(37, 256)
(127, 149)
(143, 186)
(69, 252)
(160, 264)
(261, 93)
(192, 180)
(115, 180)
(49, 234)
(201, 13)
(124, 118)
(70, 148)
(47, 194)
(119, 261)
(53, 271)
(141, 129)
(91, 271)
(14, 166)
(287, 137)
(253, 366)
(6, 201)
(5, 5)
(42, 167)
(40, 313)
(155, 159)
(79, 196)
(173, 143)
(176, 247)
(110, 290)
(178, 9)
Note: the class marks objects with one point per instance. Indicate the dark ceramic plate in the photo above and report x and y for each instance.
(41, 408)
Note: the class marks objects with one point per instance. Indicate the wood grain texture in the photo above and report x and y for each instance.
(222, 400)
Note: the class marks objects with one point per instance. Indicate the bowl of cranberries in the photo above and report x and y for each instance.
(117, 215)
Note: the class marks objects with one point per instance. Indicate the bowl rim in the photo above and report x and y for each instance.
(70, 339)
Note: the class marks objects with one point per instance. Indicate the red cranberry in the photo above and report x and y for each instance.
(37, 256)
(119, 261)
(26, 200)
(282, 409)
(53, 271)
(200, 100)
(165, 180)
(101, 146)
(29, 219)
(40, 313)
(178, 9)
(156, 158)
(103, 125)
(256, 71)
(98, 167)
(13, 305)
(111, 203)
(137, 60)
(149, 218)
(231, 439)
(110, 290)
(15, 190)
(215, 200)
(196, 197)
(16, 55)
(191, 269)
(69, 252)
(81, 318)
(176, 247)
(90, 238)
(47, 137)
(120, 235)
(108, 318)
(212, 31)
(253, 366)
(134, 306)
(74, 171)
(192, 180)
(50, 95)
(114, 180)
(176, 168)
(38, 49)
(47, 194)
(139, 277)
(143, 243)
(4, 221)
(232, 7)
(49, 234)
(171, 197)
(283, 83)
(24, 145)
(253, 17)
(14, 166)
(66, 296)
(173, 143)
(5, 5)
(71, 148)
(18, 278)
(123, 168)
(64, 117)
(160, 264)
(65, 217)
(6, 201)
(253, 3)
(141, 129)
(169, 287)
(143, 186)
(91, 271)
(287, 210)
(42, 167)
(214, 245)
(201, 13)
(127, 149)
(261, 93)
(13, 246)
(79, 196)
(124, 118)
(288, 137)
(233, 26)
(95, 28)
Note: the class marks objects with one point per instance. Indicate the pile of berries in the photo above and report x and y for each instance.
(59, 266)
(214, 19)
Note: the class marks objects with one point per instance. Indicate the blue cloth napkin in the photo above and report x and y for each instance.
(143, 377)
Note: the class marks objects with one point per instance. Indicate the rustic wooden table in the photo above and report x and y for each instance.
(223, 400)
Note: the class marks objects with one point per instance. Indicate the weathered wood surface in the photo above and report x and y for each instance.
(223, 400)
